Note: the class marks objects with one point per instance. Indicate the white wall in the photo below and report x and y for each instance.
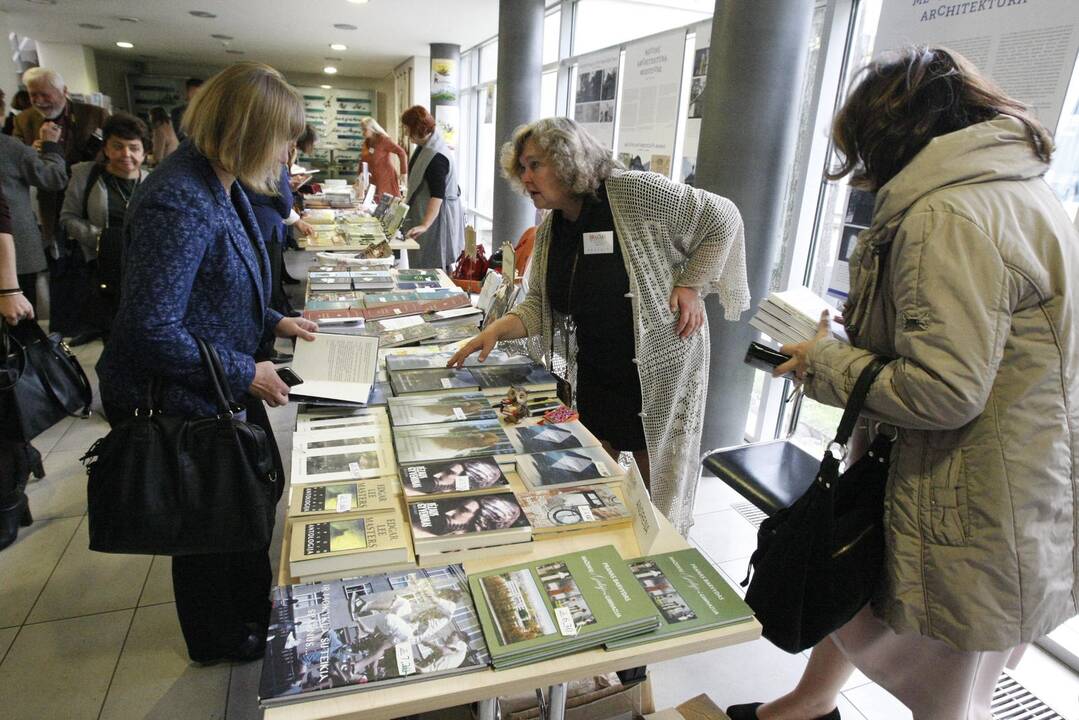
(74, 62)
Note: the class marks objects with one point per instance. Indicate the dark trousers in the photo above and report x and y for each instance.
(28, 285)
(278, 299)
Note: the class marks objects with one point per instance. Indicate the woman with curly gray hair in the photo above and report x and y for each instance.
(620, 266)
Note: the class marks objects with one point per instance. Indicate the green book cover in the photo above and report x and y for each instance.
(688, 594)
(569, 602)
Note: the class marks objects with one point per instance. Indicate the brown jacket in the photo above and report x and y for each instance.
(79, 121)
(969, 279)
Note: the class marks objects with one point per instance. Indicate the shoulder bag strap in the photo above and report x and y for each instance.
(857, 398)
(221, 390)
(10, 345)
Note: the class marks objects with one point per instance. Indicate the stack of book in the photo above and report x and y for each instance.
(549, 608)
(448, 441)
(369, 632)
(488, 379)
(441, 408)
(791, 316)
(565, 468)
(575, 508)
(332, 545)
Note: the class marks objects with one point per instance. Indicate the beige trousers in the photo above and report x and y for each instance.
(934, 680)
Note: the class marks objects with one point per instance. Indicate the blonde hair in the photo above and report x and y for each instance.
(241, 118)
(37, 75)
(580, 161)
(369, 123)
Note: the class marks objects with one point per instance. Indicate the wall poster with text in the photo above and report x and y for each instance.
(649, 102)
(594, 101)
(699, 72)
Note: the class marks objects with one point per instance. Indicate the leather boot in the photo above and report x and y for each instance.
(12, 517)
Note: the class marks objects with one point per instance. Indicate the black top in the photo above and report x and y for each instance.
(435, 174)
(5, 215)
(120, 191)
(594, 293)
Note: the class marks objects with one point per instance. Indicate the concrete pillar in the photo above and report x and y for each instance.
(445, 67)
(520, 72)
(75, 63)
(747, 142)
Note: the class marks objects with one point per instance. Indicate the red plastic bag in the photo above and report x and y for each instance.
(471, 268)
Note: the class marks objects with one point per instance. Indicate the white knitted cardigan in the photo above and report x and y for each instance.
(670, 234)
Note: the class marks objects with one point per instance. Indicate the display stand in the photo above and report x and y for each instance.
(486, 686)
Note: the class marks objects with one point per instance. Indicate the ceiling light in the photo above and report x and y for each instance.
(330, 70)
(219, 36)
(344, 26)
(124, 44)
(91, 26)
(358, 2)
(128, 19)
(201, 14)
(326, 87)
(338, 47)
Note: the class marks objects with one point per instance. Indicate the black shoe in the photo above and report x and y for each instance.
(83, 338)
(252, 648)
(748, 711)
(12, 518)
(278, 358)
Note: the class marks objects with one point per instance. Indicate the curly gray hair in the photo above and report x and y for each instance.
(580, 161)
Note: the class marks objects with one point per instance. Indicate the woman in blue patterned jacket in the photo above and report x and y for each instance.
(195, 265)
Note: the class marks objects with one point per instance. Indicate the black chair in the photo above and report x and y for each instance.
(771, 474)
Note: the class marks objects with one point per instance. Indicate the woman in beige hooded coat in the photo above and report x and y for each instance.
(967, 280)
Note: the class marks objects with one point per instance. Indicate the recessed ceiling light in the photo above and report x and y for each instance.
(201, 14)
(235, 52)
(219, 36)
(358, 2)
(124, 44)
(128, 19)
(91, 26)
(326, 87)
(344, 26)
(330, 70)
(338, 47)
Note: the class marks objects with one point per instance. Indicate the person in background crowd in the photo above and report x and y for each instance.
(80, 137)
(165, 141)
(191, 86)
(434, 217)
(967, 277)
(299, 185)
(378, 152)
(195, 265)
(627, 256)
(18, 458)
(95, 205)
(23, 167)
(20, 102)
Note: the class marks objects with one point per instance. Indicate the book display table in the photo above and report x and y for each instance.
(485, 686)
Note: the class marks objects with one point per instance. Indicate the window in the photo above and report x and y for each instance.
(552, 26)
(549, 94)
(603, 23)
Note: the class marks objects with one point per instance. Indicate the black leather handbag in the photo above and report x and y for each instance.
(167, 485)
(818, 561)
(45, 381)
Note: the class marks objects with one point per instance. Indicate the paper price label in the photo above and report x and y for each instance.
(462, 484)
(405, 663)
(354, 468)
(397, 311)
(564, 617)
(344, 502)
(447, 383)
(459, 413)
(586, 513)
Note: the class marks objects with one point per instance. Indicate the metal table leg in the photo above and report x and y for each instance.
(488, 709)
(556, 703)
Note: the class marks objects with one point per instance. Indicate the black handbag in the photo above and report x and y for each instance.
(162, 484)
(45, 382)
(817, 562)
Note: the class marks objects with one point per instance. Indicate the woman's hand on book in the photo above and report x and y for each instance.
(484, 342)
(296, 327)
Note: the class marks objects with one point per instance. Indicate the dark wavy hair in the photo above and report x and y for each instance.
(907, 97)
(126, 126)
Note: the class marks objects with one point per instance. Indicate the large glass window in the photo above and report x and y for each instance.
(552, 25)
(603, 23)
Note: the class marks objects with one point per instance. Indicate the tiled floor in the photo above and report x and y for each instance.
(87, 635)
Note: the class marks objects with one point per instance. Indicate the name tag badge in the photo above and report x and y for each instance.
(599, 243)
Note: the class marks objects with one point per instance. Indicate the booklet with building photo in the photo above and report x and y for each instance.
(450, 407)
(369, 632)
(441, 477)
(556, 606)
(446, 441)
(352, 462)
(580, 466)
(574, 508)
(689, 595)
(459, 522)
(348, 542)
(544, 438)
(342, 497)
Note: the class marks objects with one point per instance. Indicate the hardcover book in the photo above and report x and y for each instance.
(457, 522)
(543, 438)
(560, 605)
(497, 380)
(689, 595)
(580, 466)
(342, 497)
(418, 307)
(407, 335)
(340, 417)
(434, 380)
(347, 542)
(369, 632)
(324, 438)
(575, 508)
(424, 409)
(352, 462)
(452, 476)
(435, 360)
(446, 441)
